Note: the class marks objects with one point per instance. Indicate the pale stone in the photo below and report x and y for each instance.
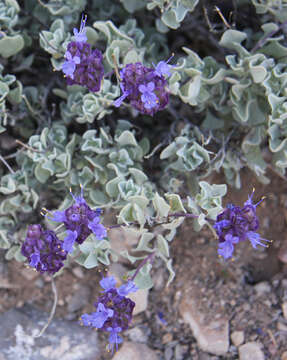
(135, 351)
(29, 273)
(281, 327)
(140, 297)
(284, 356)
(78, 272)
(262, 288)
(237, 338)
(250, 351)
(212, 336)
(284, 309)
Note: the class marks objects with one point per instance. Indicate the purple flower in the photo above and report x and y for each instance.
(89, 72)
(148, 97)
(97, 319)
(226, 248)
(69, 65)
(83, 66)
(43, 250)
(162, 68)
(114, 338)
(143, 88)
(69, 240)
(98, 229)
(237, 224)
(127, 288)
(81, 35)
(80, 222)
(108, 283)
(114, 310)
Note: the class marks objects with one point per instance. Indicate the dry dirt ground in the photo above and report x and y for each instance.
(248, 292)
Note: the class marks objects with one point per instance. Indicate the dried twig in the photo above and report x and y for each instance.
(222, 17)
(262, 41)
(27, 146)
(7, 165)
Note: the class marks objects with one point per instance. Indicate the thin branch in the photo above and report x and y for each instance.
(149, 257)
(52, 313)
(222, 16)
(176, 215)
(28, 147)
(262, 41)
(7, 165)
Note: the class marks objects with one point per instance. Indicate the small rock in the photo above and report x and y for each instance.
(79, 299)
(178, 352)
(237, 338)
(281, 327)
(284, 308)
(135, 351)
(282, 254)
(39, 283)
(29, 273)
(136, 335)
(78, 272)
(167, 338)
(262, 288)
(140, 297)
(250, 351)
(284, 356)
(212, 336)
(168, 353)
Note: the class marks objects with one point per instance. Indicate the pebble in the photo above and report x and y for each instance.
(281, 327)
(282, 254)
(168, 353)
(284, 309)
(211, 336)
(79, 299)
(167, 338)
(284, 356)
(134, 351)
(78, 272)
(250, 350)
(237, 338)
(29, 274)
(262, 288)
(136, 335)
(140, 297)
(178, 352)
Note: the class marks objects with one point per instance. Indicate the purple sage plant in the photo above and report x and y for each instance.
(83, 66)
(43, 250)
(114, 310)
(80, 221)
(145, 88)
(237, 224)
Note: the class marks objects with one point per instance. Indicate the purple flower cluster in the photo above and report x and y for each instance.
(43, 250)
(145, 88)
(80, 221)
(237, 224)
(114, 310)
(83, 66)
